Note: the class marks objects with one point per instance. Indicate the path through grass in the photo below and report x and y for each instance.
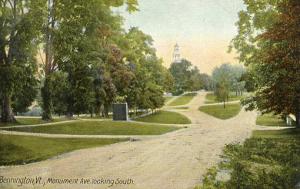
(165, 117)
(183, 100)
(31, 121)
(17, 150)
(99, 128)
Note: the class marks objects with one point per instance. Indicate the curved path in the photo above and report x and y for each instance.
(176, 160)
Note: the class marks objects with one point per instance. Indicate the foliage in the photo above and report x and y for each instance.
(270, 159)
(18, 39)
(186, 77)
(268, 43)
(227, 78)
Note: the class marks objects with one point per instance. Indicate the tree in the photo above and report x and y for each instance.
(222, 79)
(93, 16)
(150, 77)
(18, 40)
(268, 41)
(186, 77)
(207, 82)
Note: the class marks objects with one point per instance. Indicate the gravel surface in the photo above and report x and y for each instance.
(175, 160)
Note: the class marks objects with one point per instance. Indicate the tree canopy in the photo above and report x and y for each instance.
(268, 43)
(86, 62)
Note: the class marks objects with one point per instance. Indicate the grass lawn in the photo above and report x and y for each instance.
(270, 120)
(17, 150)
(165, 117)
(210, 98)
(183, 100)
(98, 128)
(220, 112)
(269, 159)
(31, 121)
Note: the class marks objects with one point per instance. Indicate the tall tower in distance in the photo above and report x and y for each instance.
(176, 54)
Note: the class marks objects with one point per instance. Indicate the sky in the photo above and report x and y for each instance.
(202, 28)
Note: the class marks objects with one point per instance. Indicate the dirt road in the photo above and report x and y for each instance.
(175, 160)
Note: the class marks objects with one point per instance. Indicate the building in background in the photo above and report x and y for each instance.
(176, 54)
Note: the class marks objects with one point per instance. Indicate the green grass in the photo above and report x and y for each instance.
(270, 120)
(17, 150)
(210, 98)
(98, 128)
(285, 133)
(165, 117)
(183, 100)
(220, 112)
(269, 159)
(31, 121)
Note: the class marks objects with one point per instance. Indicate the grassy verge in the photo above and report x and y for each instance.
(99, 128)
(269, 159)
(210, 98)
(183, 100)
(220, 112)
(270, 120)
(17, 150)
(165, 117)
(31, 121)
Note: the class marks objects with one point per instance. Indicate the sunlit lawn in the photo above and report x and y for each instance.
(220, 112)
(165, 117)
(183, 100)
(210, 98)
(270, 120)
(99, 128)
(31, 121)
(26, 149)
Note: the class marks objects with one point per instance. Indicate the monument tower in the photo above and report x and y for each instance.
(176, 54)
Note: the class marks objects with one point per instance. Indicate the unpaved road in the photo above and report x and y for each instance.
(175, 160)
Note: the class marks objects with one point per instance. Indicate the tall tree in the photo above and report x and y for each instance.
(19, 22)
(49, 63)
(268, 41)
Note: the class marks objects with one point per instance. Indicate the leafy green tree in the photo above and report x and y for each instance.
(150, 77)
(222, 78)
(186, 77)
(268, 42)
(18, 40)
(93, 18)
(207, 82)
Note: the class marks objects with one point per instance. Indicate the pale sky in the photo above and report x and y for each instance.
(202, 28)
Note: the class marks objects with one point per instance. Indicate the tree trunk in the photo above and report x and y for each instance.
(298, 119)
(7, 115)
(69, 115)
(224, 104)
(47, 100)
